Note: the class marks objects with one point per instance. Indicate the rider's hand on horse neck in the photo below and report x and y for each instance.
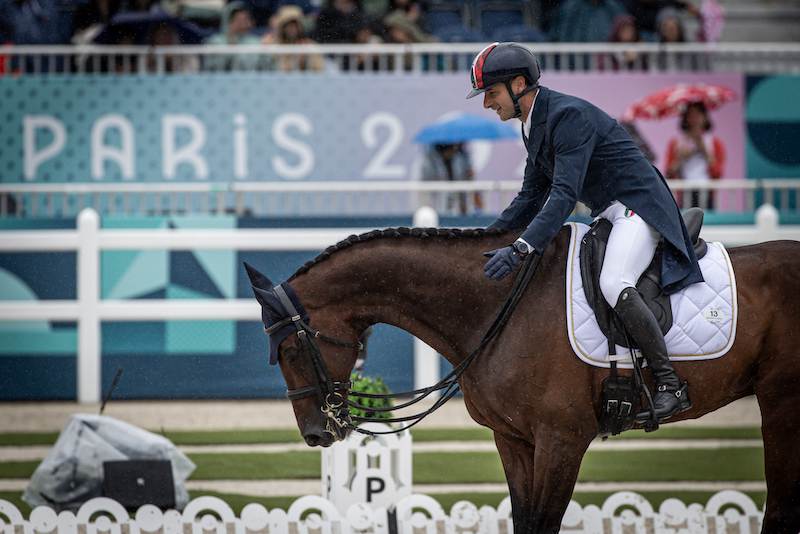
(502, 262)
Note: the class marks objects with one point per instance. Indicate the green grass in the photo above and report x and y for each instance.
(726, 464)
(478, 433)
(257, 466)
(232, 437)
(24, 439)
(22, 469)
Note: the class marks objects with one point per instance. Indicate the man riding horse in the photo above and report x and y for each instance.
(578, 152)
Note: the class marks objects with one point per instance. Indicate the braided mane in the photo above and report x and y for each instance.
(422, 233)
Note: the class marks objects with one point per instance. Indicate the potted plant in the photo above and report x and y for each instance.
(366, 384)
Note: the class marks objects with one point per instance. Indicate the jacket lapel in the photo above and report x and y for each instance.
(537, 122)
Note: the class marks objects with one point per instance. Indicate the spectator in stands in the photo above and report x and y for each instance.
(165, 34)
(401, 29)
(584, 21)
(695, 155)
(669, 26)
(375, 8)
(669, 23)
(645, 12)
(31, 22)
(338, 21)
(414, 9)
(547, 10)
(450, 162)
(262, 11)
(367, 32)
(289, 27)
(624, 30)
(235, 29)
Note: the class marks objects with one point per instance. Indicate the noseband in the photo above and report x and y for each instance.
(324, 387)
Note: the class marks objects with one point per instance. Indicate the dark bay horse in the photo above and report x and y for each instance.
(527, 385)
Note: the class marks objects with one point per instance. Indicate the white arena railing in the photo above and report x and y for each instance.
(725, 512)
(752, 58)
(89, 310)
(354, 198)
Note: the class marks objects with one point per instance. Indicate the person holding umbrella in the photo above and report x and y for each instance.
(448, 162)
(578, 152)
(447, 159)
(695, 155)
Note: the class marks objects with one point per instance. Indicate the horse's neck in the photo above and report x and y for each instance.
(427, 291)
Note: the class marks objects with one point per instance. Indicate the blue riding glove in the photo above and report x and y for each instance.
(502, 263)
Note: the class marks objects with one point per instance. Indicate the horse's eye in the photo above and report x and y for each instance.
(291, 352)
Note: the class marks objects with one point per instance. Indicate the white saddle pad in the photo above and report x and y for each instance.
(704, 314)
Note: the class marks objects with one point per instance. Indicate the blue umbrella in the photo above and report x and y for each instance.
(464, 127)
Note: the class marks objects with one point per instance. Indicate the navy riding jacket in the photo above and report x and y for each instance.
(578, 152)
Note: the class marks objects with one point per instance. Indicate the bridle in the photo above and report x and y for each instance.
(323, 386)
(336, 406)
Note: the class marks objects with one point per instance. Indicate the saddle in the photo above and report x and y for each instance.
(592, 253)
(622, 395)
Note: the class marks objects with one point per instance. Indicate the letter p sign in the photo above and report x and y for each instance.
(374, 485)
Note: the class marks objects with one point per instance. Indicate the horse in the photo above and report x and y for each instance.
(541, 402)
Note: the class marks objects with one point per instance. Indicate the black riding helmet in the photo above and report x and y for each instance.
(502, 62)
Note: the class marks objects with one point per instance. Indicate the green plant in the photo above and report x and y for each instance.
(374, 385)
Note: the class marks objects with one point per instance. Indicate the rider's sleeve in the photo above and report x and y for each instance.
(528, 202)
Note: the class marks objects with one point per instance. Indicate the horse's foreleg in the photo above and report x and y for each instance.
(517, 457)
(540, 480)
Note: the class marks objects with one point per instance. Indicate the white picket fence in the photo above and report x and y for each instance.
(726, 512)
(89, 310)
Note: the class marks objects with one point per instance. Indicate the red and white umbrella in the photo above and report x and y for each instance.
(672, 101)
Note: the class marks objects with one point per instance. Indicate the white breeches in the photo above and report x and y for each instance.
(630, 250)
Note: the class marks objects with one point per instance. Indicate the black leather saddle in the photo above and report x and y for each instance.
(593, 249)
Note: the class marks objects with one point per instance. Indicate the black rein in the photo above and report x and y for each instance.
(327, 390)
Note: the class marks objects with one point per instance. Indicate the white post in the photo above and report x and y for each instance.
(88, 303)
(767, 222)
(427, 368)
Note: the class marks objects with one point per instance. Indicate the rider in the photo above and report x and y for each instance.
(577, 152)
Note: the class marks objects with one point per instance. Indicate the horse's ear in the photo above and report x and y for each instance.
(257, 278)
(264, 291)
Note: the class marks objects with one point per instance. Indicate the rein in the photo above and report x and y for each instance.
(327, 390)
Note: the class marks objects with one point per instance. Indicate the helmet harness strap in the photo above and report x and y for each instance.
(515, 98)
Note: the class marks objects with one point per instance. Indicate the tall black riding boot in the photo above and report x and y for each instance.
(671, 396)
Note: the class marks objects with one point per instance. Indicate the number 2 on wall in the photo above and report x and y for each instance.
(379, 166)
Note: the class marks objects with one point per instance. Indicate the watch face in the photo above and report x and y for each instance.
(522, 248)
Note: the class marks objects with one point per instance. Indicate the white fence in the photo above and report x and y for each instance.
(726, 512)
(353, 198)
(752, 58)
(90, 311)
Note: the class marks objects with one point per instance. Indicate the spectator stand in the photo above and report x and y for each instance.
(443, 14)
(492, 15)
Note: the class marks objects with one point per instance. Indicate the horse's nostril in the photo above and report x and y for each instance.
(313, 440)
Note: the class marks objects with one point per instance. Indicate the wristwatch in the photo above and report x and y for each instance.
(522, 247)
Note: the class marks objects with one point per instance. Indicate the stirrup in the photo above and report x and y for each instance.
(652, 421)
